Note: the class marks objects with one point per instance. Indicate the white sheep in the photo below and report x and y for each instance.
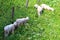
(22, 20)
(39, 9)
(47, 7)
(8, 29)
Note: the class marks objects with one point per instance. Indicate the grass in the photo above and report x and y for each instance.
(45, 27)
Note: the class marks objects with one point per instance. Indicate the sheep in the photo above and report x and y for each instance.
(8, 29)
(22, 20)
(11, 27)
(39, 9)
(47, 7)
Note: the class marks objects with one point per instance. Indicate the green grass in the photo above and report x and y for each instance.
(45, 27)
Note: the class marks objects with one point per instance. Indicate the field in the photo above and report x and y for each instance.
(45, 27)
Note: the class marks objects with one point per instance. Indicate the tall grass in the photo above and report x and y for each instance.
(45, 27)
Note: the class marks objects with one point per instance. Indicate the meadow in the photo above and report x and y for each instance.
(45, 27)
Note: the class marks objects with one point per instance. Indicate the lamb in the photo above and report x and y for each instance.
(8, 29)
(39, 9)
(47, 7)
(43, 6)
(22, 20)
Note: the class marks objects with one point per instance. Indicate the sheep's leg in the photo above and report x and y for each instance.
(13, 30)
(6, 33)
(18, 24)
(24, 23)
(38, 13)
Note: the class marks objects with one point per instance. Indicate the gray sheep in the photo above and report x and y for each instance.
(22, 20)
(8, 29)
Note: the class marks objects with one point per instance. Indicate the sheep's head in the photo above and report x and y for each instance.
(15, 24)
(27, 18)
(36, 5)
